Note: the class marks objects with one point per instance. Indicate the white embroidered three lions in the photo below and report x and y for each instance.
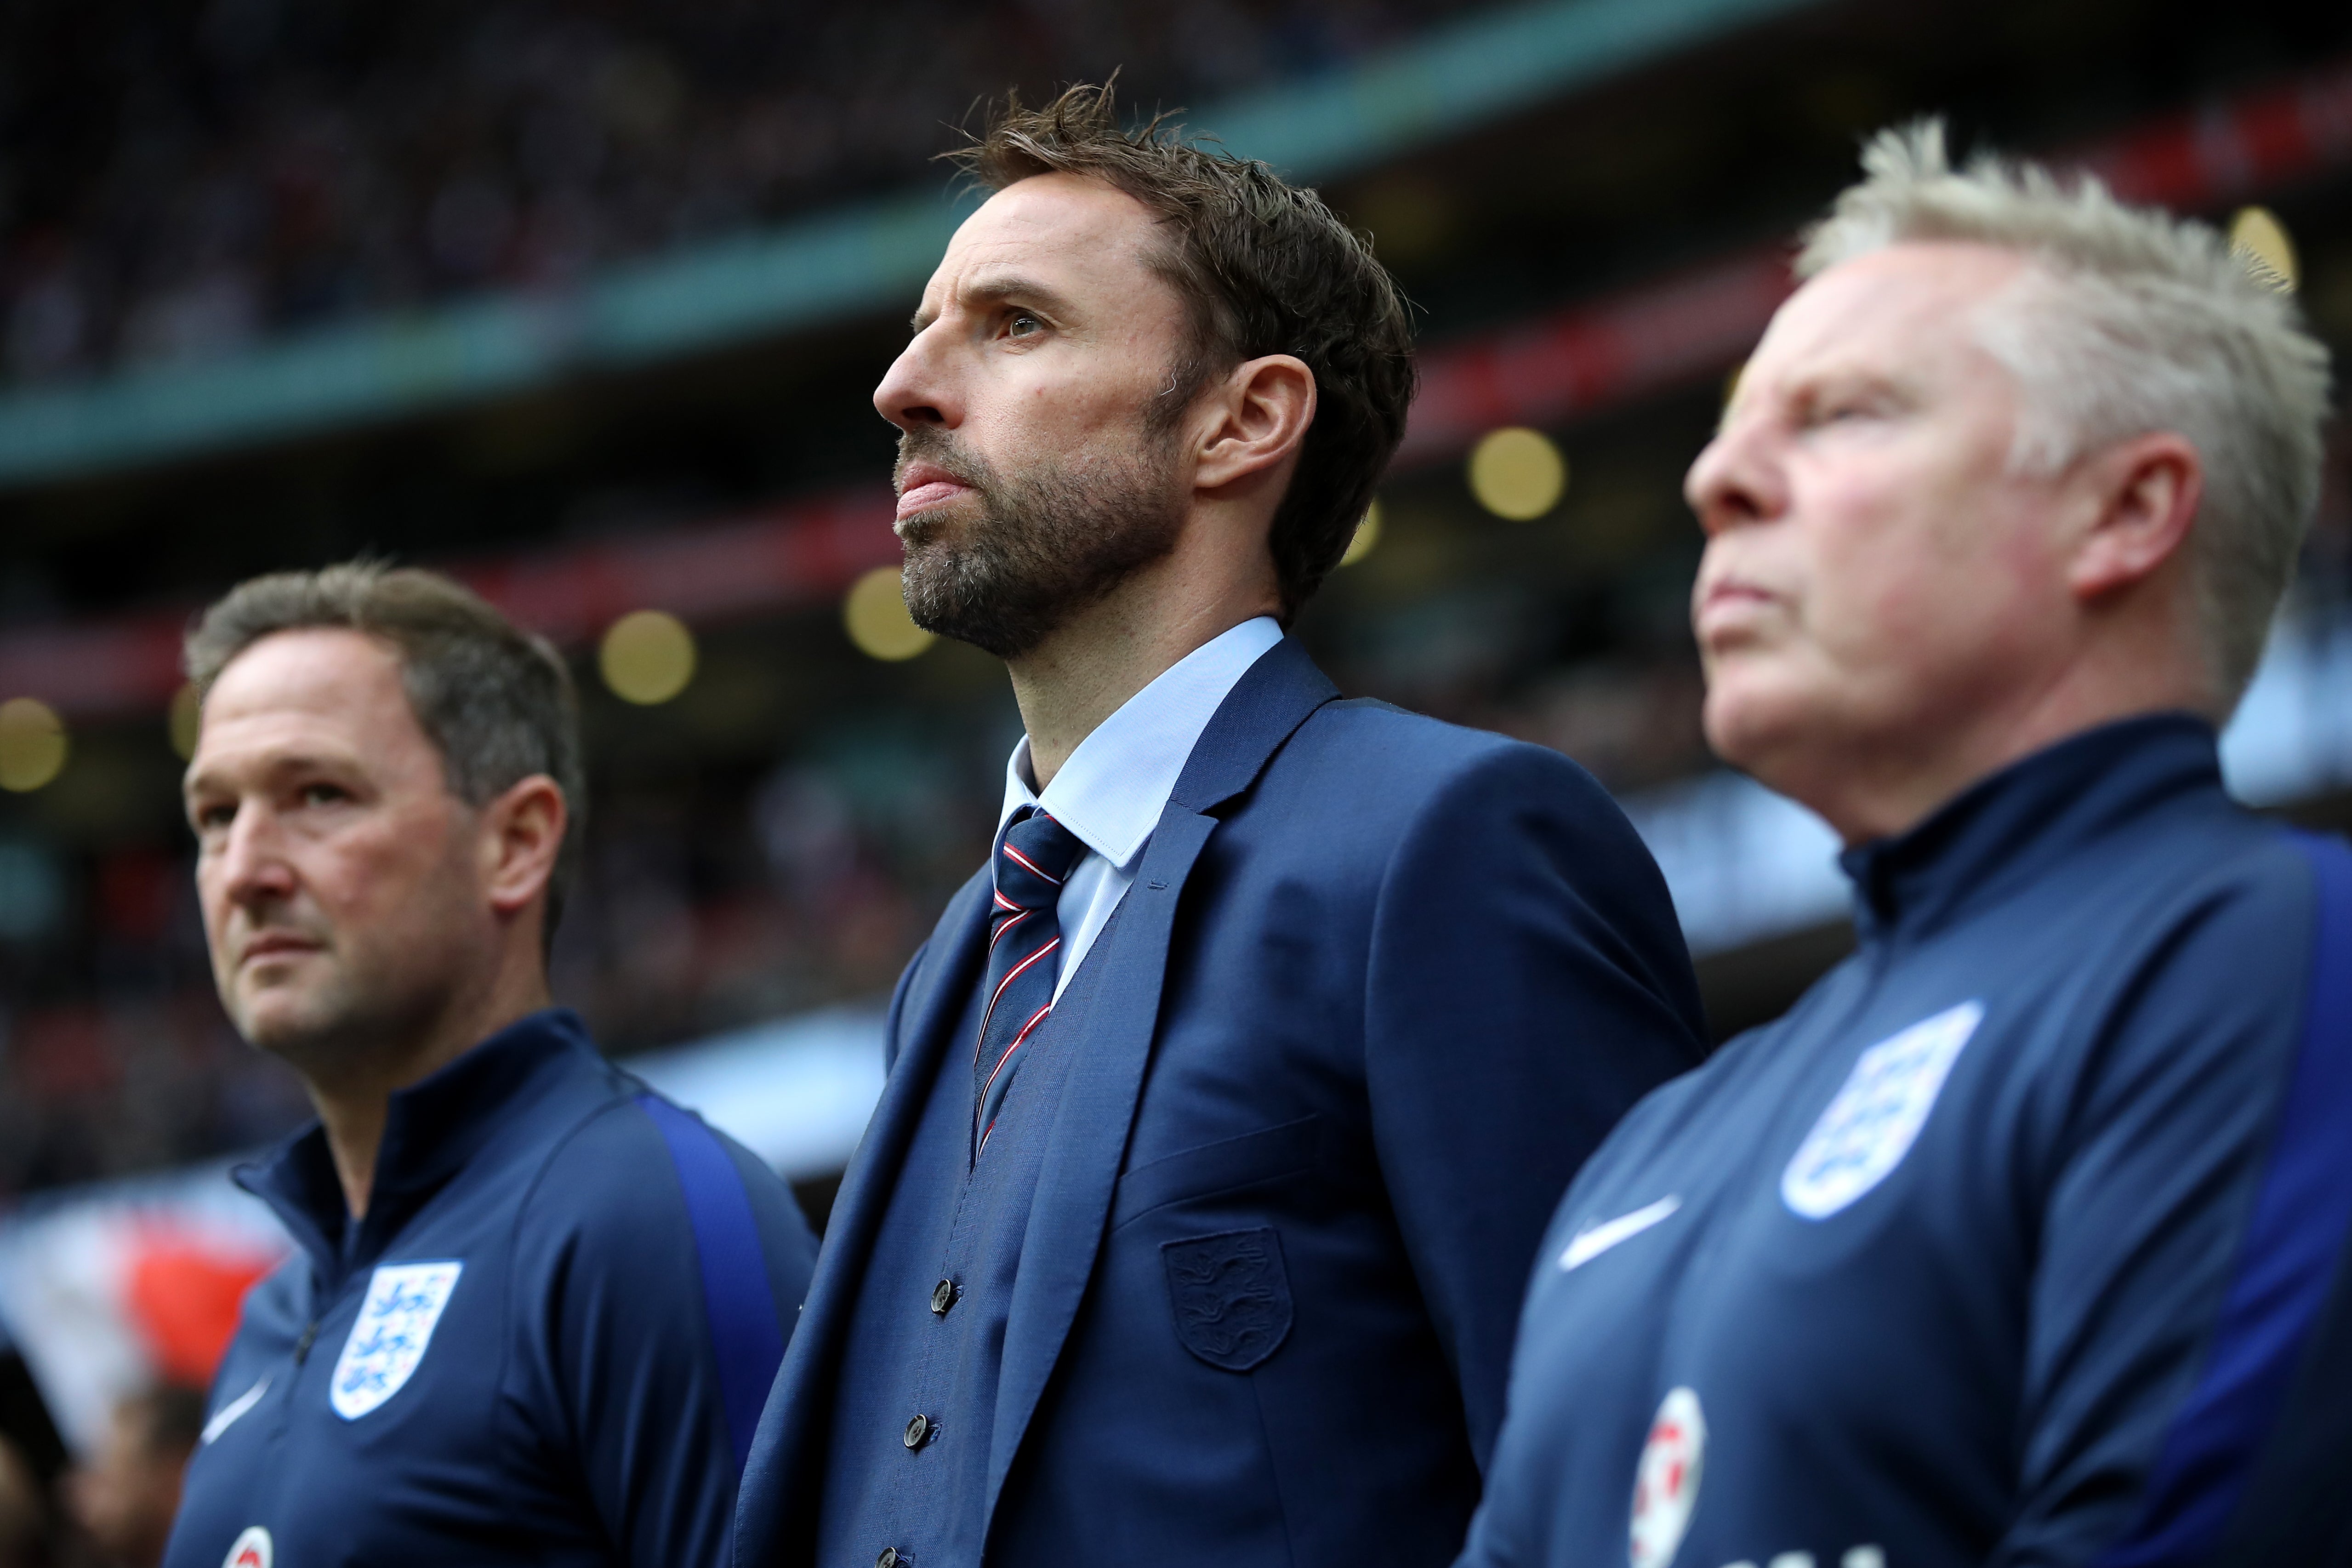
(1878, 1115)
(395, 1324)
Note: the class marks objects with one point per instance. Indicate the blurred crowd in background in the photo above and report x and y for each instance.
(178, 176)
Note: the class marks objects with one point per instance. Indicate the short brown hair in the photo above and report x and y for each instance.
(497, 701)
(1263, 268)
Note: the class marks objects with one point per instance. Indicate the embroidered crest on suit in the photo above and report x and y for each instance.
(1878, 1115)
(395, 1324)
(1231, 1294)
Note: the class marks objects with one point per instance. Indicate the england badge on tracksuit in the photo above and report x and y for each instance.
(1877, 1114)
(396, 1325)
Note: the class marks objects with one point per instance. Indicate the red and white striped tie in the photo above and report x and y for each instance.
(1034, 858)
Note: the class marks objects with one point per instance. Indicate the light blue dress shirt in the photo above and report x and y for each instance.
(1112, 790)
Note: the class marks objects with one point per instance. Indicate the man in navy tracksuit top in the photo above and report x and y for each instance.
(2022, 1240)
(535, 1308)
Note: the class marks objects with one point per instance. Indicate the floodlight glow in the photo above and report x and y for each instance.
(1518, 473)
(33, 744)
(647, 656)
(874, 612)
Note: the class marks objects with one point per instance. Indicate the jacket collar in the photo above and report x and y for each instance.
(2005, 829)
(1265, 705)
(1111, 791)
(431, 1130)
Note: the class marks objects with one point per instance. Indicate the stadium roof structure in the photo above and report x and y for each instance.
(804, 274)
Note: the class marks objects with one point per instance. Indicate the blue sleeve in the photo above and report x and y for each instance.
(1528, 982)
(2193, 1222)
(670, 1266)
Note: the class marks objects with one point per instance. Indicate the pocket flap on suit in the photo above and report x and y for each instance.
(1229, 1162)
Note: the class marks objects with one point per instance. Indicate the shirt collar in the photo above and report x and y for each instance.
(1115, 786)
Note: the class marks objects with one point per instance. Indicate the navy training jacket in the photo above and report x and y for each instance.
(547, 1344)
(2020, 1240)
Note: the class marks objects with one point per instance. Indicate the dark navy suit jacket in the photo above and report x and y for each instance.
(1379, 986)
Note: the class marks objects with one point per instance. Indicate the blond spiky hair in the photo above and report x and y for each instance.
(2129, 321)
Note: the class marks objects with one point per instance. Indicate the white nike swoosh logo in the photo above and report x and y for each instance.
(226, 1418)
(1594, 1240)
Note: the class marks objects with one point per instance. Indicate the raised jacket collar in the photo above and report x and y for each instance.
(431, 1130)
(2004, 830)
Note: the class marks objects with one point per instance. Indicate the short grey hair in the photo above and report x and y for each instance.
(2130, 321)
(498, 702)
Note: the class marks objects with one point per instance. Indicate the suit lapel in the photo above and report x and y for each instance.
(1112, 1050)
(785, 1456)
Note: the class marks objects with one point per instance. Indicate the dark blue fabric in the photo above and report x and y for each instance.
(953, 1220)
(746, 1339)
(1378, 987)
(567, 1408)
(2067, 1304)
(2292, 1249)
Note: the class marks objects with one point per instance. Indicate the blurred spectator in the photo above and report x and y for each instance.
(124, 1498)
(178, 175)
(24, 1522)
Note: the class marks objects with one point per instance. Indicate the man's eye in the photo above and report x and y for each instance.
(213, 818)
(1022, 324)
(323, 793)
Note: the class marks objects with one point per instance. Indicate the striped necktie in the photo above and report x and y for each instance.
(1034, 858)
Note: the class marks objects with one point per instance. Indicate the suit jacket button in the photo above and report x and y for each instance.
(918, 1431)
(943, 1295)
(889, 1558)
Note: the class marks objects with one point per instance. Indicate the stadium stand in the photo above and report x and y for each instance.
(187, 178)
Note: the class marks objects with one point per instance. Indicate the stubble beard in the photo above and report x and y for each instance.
(1047, 543)
(362, 1006)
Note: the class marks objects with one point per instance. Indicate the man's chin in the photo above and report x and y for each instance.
(1751, 720)
(284, 1021)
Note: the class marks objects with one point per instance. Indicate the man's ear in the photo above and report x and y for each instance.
(522, 834)
(1259, 418)
(2145, 493)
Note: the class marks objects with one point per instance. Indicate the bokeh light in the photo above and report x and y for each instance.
(1367, 536)
(2257, 232)
(647, 656)
(187, 715)
(1518, 473)
(32, 744)
(874, 614)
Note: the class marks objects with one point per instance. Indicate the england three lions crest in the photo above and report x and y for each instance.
(1231, 1296)
(1877, 1114)
(396, 1325)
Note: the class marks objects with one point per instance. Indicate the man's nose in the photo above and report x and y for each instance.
(250, 865)
(1734, 479)
(916, 391)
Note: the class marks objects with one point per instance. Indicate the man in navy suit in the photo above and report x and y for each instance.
(1227, 1104)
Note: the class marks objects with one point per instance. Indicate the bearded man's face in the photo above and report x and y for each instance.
(1040, 455)
(1017, 554)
